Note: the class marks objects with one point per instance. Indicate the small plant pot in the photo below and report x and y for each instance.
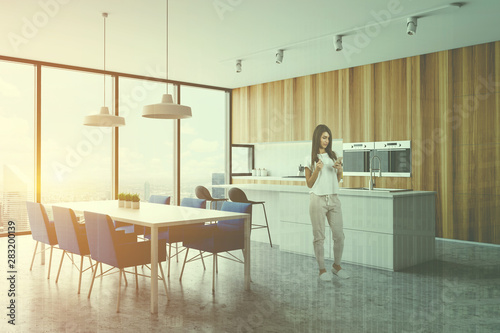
(136, 205)
(121, 203)
(128, 204)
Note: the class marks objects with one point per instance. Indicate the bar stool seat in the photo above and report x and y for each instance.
(202, 192)
(237, 195)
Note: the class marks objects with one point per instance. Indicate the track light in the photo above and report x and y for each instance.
(411, 25)
(279, 56)
(337, 41)
(238, 66)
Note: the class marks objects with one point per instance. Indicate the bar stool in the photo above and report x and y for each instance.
(202, 192)
(237, 195)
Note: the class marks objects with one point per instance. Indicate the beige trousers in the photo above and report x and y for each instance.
(326, 206)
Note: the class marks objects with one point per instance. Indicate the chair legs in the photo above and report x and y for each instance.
(163, 278)
(50, 261)
(267, 225)
(34, 253)
(184, 264)
(80, 277)
(60, 265)
(93, 278)
(119, 289)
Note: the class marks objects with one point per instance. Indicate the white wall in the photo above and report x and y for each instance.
(284, 158)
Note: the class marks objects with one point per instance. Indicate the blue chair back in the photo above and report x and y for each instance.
(70, 234)
(236, 207)
(193, 202)
(41, 228)
(160, 199)
(101, 237)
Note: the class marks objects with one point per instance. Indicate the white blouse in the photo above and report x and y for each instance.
(327, 182)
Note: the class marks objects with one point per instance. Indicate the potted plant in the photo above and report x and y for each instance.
(136, 201)
(128, 200)
(121, 199)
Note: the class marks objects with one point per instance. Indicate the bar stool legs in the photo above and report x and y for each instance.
(267, 224)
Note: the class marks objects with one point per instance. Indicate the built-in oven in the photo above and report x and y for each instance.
(357, 158)
(395, 158)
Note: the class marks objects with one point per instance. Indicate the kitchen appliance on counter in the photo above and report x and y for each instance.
(301, 171)
(357, 158)
(395, 157)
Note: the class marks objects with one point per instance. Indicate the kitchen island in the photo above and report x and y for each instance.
(384, 229)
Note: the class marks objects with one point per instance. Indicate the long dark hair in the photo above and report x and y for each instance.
(316, 141)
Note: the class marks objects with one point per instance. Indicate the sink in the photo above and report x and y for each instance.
(377, 189)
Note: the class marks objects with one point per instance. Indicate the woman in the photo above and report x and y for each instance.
(323, 173)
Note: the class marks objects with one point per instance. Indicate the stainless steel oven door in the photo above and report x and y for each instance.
(357, 158)
(395, 157)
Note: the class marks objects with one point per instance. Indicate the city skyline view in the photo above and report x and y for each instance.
(76, 160)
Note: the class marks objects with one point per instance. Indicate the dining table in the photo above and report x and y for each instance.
(156, 216)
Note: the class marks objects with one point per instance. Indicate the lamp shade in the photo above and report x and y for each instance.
(104, 119)
(167, 109)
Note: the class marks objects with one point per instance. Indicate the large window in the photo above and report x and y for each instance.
(203, 140)
(146, 154)
(76, 159)
(17, 157)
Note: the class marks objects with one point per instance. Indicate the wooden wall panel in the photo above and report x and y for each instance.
(392, 109)
(329, 102)
(442, 137)
(240, 130)
(358, 112)
(476, 142)
(392, 100)
(259, 113)
(304, 108)
(280, 110)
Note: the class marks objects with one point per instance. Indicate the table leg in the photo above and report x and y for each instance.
(246, 252)
(154, 269)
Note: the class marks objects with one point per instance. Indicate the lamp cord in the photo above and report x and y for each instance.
(105, 15)
(166, 33)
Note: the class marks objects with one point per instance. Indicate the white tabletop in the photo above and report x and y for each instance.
(151, 214)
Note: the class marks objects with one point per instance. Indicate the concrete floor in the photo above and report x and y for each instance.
(457, 292)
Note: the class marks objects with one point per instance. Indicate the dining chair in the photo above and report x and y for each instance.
(159, 199)
(72, 238)
(237, 195)
(42, 230)
(202, 192)
(175, 234)
(106, 246)
(216, 238)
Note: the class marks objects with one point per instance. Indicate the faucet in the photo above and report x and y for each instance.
(372, 183)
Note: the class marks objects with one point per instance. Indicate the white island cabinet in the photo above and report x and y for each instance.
(383, 229)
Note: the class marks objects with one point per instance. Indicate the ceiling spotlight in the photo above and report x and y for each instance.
(337, 41)
(279, 56)
(411, 25)
(238, 66)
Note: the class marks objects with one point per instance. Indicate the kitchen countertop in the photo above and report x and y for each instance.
(305, 190)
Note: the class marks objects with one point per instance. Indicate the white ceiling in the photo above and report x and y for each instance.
(207, 36)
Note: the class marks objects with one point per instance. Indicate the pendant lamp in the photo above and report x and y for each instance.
(167, 109)
(104, 118)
